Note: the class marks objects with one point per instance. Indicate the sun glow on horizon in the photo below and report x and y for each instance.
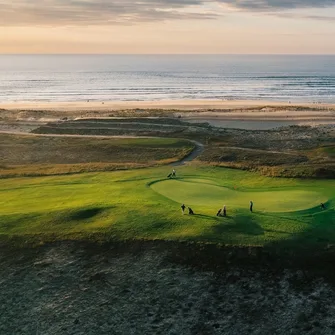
(162, 27)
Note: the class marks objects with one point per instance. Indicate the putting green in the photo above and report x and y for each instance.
(206, 193)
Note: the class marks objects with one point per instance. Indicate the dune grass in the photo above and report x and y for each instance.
(142, 204)
(26, 155)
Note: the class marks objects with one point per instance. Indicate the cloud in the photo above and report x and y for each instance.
(306, 17)
(105, 12)
(283, 8)
(97, 12)
(278, 5)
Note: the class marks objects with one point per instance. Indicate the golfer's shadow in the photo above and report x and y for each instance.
(208, 217)
(240, 224)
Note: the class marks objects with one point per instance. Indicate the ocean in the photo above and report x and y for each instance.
(65, 78)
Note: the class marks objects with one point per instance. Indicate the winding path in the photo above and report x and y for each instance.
(197, 151)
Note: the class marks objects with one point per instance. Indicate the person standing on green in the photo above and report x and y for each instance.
(251, 205)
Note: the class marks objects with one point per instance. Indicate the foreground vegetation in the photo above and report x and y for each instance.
(156, 288)
(142, 204)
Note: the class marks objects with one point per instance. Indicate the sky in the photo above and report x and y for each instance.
(167, 26)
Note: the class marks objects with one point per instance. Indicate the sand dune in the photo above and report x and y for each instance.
(257, 115)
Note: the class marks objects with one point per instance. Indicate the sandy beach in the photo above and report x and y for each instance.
(162, 104)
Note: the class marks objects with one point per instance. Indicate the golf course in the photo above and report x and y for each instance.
(93, 239)
(145, 204)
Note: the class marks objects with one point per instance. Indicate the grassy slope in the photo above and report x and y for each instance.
(123, 205)
(32, 155)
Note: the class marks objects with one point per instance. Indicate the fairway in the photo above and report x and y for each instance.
(143, 204)
(202, 192)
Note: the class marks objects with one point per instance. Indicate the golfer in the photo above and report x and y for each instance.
(190, 211)
(183, 208)
(224, 210)
(251, 205)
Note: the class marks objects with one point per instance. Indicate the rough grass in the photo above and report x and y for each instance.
(251, 157)
(313, 163)
(143, 288)
(33, 155)
(296, 151)
(122, 205)
(330, 151)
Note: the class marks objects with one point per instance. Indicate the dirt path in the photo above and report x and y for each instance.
(197, 151)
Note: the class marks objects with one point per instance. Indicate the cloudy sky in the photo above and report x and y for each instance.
(168, 26)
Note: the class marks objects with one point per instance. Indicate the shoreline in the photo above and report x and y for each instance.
(181, 105)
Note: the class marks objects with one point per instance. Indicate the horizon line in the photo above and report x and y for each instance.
(167, 54)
